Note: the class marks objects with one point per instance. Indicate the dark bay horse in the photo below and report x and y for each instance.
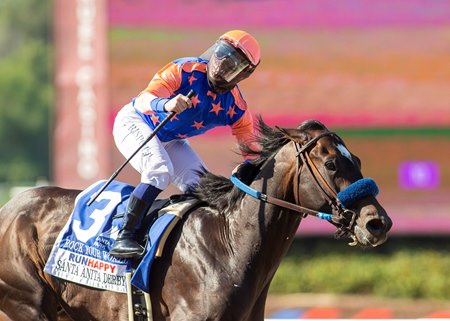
(220, 259)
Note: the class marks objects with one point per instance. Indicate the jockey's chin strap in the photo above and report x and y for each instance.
(344, 219)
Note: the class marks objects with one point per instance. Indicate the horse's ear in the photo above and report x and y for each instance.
(294, 134)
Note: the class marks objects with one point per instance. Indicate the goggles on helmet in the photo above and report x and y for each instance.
(232, 61)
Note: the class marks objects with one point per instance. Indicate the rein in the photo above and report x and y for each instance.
(344, 219)
(276, 201)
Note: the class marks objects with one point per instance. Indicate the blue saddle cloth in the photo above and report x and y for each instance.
(81, 251)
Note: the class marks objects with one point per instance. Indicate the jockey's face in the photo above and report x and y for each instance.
(226, 67)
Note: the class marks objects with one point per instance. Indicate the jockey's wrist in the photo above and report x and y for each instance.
(158, 104)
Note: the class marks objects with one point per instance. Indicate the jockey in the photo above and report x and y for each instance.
(168, 157)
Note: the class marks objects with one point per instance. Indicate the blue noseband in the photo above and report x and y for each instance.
(359, 189)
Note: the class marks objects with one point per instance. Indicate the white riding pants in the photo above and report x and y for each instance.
(159, 163)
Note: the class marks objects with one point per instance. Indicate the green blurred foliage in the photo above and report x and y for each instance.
(413, 267)
(26, 96)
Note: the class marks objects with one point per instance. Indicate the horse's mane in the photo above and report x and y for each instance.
(217, 191)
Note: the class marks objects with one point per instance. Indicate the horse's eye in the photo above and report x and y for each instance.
(330, 165)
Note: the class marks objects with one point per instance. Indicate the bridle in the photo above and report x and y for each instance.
(343, 218)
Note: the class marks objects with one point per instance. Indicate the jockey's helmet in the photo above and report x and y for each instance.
(234, 57)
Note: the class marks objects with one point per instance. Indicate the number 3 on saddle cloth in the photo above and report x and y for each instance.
(81, 251)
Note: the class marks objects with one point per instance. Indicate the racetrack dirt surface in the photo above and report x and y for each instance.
(348, 306)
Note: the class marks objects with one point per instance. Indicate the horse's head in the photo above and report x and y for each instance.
(332, 176)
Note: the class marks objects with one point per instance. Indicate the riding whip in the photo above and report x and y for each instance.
(190, 94)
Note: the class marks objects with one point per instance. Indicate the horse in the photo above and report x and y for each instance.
(219, 260)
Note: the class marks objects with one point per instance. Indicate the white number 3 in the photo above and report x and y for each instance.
(98, 215)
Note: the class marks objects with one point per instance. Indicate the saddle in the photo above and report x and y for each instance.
(178, 204)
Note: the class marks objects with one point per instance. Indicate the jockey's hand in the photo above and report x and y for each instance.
(178, 104)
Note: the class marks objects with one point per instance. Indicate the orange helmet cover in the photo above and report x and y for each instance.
(245, 42)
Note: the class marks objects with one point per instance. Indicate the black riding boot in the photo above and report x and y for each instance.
(126, 246)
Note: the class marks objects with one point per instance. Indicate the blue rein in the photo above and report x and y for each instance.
(263, 197)
(361, 188)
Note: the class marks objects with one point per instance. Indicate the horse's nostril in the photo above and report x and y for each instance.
(375, 226)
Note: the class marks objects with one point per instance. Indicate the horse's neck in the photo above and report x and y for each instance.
(266, 230)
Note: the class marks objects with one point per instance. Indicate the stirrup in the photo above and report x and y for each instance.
(133, 250)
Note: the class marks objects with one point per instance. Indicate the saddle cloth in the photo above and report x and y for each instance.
(81, 251)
